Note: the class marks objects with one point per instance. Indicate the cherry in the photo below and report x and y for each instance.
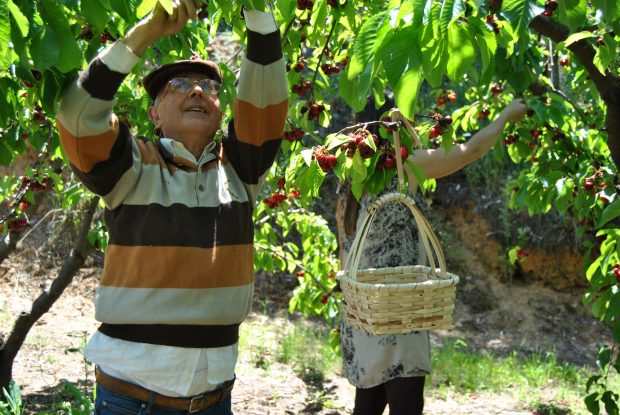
(324, 298)
(522, 253)
(496, 89)
(36, 74)
(300, 65)
(564, 61)
(404, 153)
(281, 182)
(435, 131)
(333, 4)
(203, 14)
(305, 4)
(483, 114)
(445, 121)
(588, 185)
(389, 162)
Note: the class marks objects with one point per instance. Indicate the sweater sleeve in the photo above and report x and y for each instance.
(99, 148)
(260, 108)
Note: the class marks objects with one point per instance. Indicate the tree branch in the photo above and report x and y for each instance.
(44, 302)
(607, 84)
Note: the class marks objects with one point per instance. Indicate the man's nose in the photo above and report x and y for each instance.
(196, 91)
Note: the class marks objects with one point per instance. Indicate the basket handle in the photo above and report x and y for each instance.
(429, 238)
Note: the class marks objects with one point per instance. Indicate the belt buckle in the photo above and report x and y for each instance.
(191, 404)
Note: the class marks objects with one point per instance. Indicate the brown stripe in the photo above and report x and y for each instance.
(178, 267)
(85, 152)
(260, 124)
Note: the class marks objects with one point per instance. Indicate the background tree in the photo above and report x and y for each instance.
(449, 64)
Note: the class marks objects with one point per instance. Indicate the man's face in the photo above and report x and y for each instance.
(184, 113)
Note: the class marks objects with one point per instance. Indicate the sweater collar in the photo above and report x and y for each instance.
(175, 152)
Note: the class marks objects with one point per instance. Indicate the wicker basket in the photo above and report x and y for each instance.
(399, 299)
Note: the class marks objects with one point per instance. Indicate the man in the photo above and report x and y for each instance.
(178, 272)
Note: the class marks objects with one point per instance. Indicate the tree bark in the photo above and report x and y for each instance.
(607, 84)
(40, 306)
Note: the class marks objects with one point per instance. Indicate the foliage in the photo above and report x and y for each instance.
(12, 404)
(460, 58)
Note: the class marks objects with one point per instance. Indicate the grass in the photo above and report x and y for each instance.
(546, 385)
(301, 345)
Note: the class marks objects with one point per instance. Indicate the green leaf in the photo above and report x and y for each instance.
(461, 51)
(447, 10)
(519, 13)
(592, 403)
(365, 43)
(572, 13)
(610, 9)
(355, 91)
(44, 48)
(611, 212)
(5, 36)
(126, 9)
(406, 91)
(418, 12)
(575, 37)
(96, 14)
(167, 5)
(19, 18)
(6, 155)
(70, 55)
(401, 53)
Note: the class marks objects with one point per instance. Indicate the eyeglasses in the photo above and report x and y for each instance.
(184, 85)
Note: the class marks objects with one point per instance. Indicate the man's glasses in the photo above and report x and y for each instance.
(184, 85)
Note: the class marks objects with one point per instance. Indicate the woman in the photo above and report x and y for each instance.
(390, 370)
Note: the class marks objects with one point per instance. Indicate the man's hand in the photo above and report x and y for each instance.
(159, 23)
(515, 111)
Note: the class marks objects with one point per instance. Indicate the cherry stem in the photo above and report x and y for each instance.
(318, 64)
(389, 124)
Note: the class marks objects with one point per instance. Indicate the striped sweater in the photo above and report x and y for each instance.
(178, 270)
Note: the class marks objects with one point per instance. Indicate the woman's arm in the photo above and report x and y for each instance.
(437, 163)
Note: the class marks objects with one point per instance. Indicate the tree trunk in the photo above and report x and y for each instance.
(72, 263)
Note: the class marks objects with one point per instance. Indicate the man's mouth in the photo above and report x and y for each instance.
(196, 109)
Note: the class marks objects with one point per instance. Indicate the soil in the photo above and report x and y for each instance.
(496, 313)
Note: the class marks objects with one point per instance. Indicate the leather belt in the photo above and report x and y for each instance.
(191, 404)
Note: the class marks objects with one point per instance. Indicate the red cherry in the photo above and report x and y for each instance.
(389, 162)
(404, 153)
(332, 160)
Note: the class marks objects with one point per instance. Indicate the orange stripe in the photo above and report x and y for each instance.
(85, 152)
(255, 125)
(178, 267)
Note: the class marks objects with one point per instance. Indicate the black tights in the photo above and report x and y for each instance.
(404, 395)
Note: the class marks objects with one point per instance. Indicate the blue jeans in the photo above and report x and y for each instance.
(110, 403)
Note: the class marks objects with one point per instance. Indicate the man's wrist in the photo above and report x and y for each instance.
(139, 38)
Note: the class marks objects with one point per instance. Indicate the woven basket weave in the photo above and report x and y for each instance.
(398, 299)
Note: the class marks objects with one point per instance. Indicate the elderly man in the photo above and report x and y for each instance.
(178, 273)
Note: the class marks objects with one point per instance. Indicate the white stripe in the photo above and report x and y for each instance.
(254, 77)
(119, 57)
(204, 306)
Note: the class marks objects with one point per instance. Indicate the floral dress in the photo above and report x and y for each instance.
(370, 360)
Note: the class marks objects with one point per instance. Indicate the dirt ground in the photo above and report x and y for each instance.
(491, 314)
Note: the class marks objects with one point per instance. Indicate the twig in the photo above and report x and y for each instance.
(318, 64)
(19, 243)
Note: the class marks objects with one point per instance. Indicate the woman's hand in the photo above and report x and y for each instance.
(515, 111)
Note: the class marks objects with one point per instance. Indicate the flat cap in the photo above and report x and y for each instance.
(157, 79)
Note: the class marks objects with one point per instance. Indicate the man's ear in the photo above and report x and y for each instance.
(154, 115)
